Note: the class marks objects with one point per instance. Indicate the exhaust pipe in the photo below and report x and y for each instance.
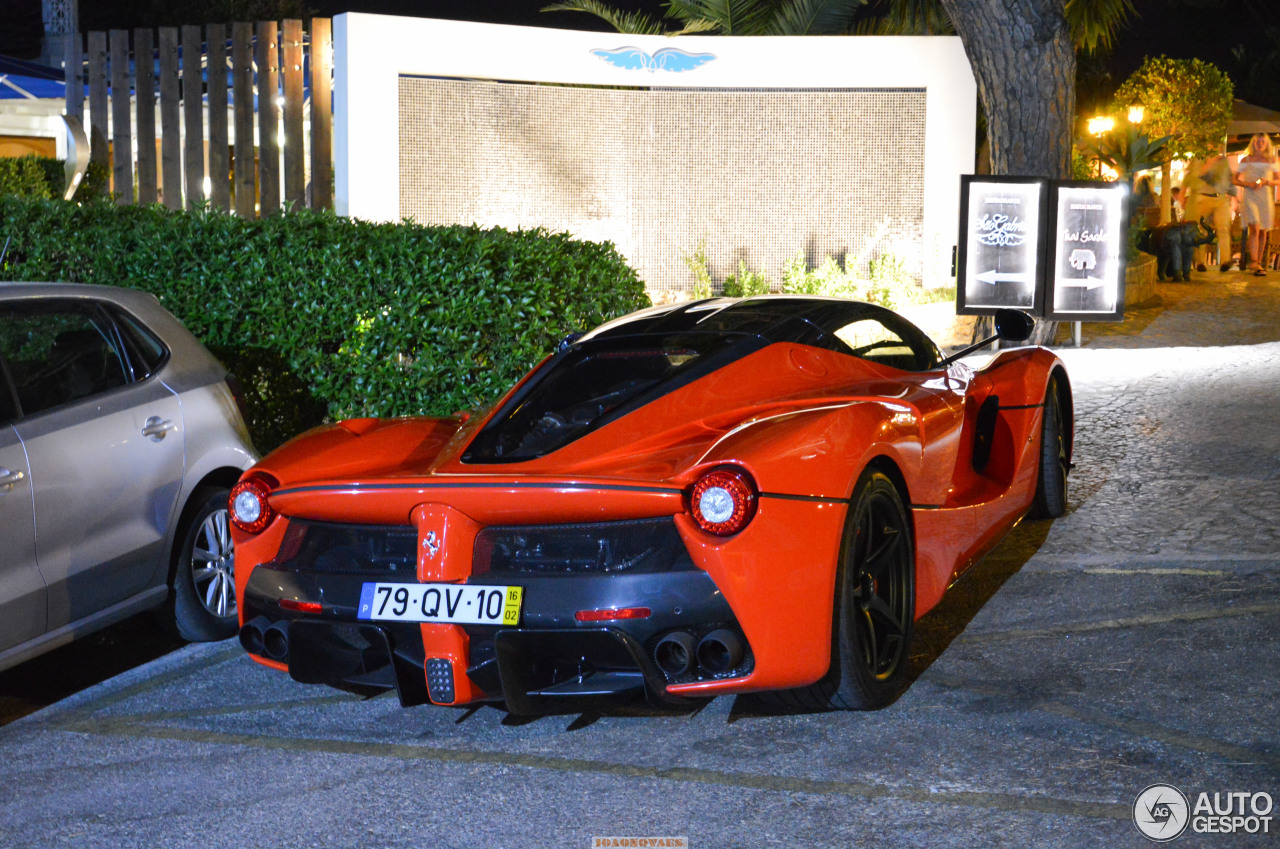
(275, 641)
(251, 635)
(674, 653)
(719, 651)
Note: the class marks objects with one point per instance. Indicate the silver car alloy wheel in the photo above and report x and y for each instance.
(213, 566)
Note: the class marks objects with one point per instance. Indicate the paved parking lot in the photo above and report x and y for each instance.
(1135, 641)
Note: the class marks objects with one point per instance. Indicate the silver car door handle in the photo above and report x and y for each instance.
(8, 479)
(155, 428)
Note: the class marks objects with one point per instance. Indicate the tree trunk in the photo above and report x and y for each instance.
(1025, 65)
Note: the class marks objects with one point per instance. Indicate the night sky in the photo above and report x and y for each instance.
(524, 12)
(1219, 31)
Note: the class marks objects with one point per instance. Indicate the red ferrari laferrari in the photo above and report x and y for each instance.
(723, 496)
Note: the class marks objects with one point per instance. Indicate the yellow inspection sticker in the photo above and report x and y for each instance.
(511, 611)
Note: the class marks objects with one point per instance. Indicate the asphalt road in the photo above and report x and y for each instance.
(1133, 642)
(68, 669)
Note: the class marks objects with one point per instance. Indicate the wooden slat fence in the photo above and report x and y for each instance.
(233, 113)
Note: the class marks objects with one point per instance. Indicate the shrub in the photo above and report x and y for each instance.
(55, 174)
(796, 278)
(887, 281)
(829, 278)
(743, 284)
(700, 269)
(96, 183)
(746, 282)
(23, 177)
(366, 319)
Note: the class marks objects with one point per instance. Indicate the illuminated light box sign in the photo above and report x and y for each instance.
(1089, 245)
(1001, 256)
(1053, 249)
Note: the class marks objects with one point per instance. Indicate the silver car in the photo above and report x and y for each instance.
(120, 438)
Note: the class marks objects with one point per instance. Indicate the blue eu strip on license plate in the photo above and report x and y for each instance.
(455, 604)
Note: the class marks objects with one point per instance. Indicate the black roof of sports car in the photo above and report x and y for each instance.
(601, 376)
(806, 320)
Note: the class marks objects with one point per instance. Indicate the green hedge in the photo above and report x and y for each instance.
(366, 319)
(34, 176)
(24, 176)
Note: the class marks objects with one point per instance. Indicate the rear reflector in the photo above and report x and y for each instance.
(440, 680)
(607, 615)
(301, 606)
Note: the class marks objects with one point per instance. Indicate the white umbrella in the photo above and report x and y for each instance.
(1247, 119)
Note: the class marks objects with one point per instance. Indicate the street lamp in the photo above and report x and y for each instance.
(1136, 113)
(1100, 125)
(1097, 126)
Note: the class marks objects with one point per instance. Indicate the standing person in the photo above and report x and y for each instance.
(1211, 198)
(1145, 201)
(1257, 175)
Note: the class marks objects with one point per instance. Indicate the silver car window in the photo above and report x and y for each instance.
(146, 352)
(8, 400)
(59, 353)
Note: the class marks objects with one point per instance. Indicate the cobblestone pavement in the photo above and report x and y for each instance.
(1215, 308)
(1134, 641)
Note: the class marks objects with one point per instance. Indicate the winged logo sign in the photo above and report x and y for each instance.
(667, 59)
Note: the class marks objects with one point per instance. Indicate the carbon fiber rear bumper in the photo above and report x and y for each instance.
(308, 622)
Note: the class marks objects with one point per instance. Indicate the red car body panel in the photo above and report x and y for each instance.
(803, 421)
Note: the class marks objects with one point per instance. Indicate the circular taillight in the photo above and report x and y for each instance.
(250, 510)
(723, 501)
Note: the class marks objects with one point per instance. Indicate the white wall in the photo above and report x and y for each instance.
(371, 52)
(40, 118)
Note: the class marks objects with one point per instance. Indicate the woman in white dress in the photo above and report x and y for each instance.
(1257, 175)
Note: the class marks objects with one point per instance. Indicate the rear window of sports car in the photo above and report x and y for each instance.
(596, 382)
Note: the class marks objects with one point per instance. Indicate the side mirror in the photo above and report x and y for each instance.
(1011, 325)
(567, 342)
(1014, 325)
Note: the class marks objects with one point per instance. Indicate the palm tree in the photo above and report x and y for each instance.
(727, 17)
(636, 23)
(1093, 23)
(1129, 151)
(905, 17)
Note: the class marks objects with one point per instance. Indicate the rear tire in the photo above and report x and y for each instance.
(1051, 483)
(204, 592)
(874, 616)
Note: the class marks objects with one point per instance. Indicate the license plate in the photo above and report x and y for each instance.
(452, 603)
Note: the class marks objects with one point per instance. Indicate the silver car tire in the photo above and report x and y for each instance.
(204, 592)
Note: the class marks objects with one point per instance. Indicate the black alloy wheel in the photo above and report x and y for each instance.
(874, 616)
(877, 595)
(1051, 482)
